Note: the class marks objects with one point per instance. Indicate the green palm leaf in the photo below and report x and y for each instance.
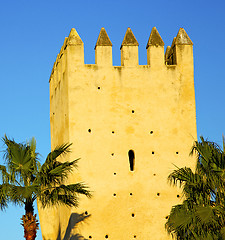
(55, 172)
(63, 194)
(20, 194)
(58, 151)
(3, 198)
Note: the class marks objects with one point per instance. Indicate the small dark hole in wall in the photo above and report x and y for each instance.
(114, 173)
(134, 236)
(151, 132)
(114, 194)
(132, 215)
(53, 113)
(106, 236)
(98, 87)
(178, 195)
(113, 132)
(131, 193)
(112, 154)
(166, 217)
(132, 111)
(177, 152)
(90, 236)
(158, 194)
(154, 174)
(153, 152)
(131, 159)
(89, 130)
(86, 213)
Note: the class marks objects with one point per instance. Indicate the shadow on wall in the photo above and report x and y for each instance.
(75, 218)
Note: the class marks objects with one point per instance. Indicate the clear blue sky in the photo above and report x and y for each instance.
(32, 33)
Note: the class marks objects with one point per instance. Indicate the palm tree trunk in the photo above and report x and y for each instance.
(29, 222)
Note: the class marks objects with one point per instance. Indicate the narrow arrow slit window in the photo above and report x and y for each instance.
(131, 159)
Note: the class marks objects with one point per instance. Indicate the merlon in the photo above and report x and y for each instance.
(155, 39)
(74, 38)
(103, 39)
(129, 39)
(182, 38)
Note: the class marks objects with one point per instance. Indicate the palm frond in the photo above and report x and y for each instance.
(21, 160)
(19, 194)
(64, 194)
(222, 233)
(193, 223)
(206, 215)
(181, 176)
(61, 170)
(6, 177)
(52, 173)
(3, 197)
(58, 151)
(179, 219)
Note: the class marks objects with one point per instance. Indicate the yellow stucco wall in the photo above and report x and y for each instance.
(107, 110)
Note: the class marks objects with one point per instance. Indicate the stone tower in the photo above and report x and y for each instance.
(130, 125)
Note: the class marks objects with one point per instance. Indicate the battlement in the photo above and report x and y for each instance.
(176, 54)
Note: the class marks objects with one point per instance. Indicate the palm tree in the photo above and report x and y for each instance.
(202, 213)
(24, 179)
